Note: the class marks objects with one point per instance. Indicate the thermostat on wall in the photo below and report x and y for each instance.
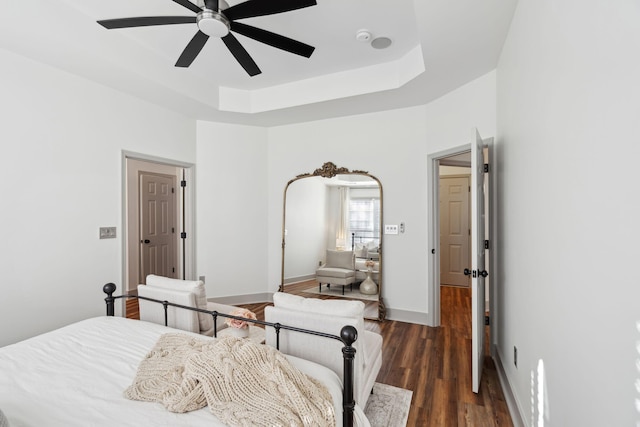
(391, 229)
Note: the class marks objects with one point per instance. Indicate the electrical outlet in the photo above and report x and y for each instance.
(391, 229)
(107, 232)
(515, 356)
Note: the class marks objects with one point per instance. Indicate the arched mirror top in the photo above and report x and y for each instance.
(334, 209)
(330, 170)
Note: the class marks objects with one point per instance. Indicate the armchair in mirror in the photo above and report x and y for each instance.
(332, 237)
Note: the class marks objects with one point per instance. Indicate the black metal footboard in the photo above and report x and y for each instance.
(348, 335)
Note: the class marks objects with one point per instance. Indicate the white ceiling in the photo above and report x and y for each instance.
(438, 45)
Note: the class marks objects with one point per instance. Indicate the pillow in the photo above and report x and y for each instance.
(319, 306)
(361, 251)
(339, 259)
(194, 286)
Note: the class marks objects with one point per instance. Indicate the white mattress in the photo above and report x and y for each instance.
(75, 376)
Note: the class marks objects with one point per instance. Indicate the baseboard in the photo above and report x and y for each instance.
(292, 280)
(408, 316)
(509, 397)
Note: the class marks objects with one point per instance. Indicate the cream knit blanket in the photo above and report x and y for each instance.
(244, 384)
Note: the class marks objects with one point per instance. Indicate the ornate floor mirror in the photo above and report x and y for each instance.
(333, 213)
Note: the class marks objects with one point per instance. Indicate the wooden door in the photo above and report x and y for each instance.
(158, 243)
(454, 230)
(478, 271)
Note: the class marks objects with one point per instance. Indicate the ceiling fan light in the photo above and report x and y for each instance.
(213, 24)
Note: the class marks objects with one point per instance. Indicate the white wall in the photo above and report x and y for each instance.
(568, 99)
(393, 146)
(306, 221)
(62, 139)
(232, 204)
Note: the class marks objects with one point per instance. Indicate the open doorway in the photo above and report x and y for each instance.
(455, 240)
(451, 225)
(455, 220)
(480, 244)
(158, 219)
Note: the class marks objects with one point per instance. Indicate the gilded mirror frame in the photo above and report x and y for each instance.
(330, 170)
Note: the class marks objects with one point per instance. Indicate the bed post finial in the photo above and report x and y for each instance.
(349, 335)
(109, 289)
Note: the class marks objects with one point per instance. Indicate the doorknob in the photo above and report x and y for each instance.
(145, 241)
(482, 273)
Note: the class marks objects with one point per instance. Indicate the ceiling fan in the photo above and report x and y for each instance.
(216, 19)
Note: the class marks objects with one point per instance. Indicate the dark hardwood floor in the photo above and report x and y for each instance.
(435, 363)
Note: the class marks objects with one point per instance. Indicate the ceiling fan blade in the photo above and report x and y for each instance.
(251, 8)
(241, 55)
(192, 50)
(211, 4)
(186, 3)
(273, 39)
(145, 21)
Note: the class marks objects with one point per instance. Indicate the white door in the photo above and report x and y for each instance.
(158, 251)
(454, 230)
(478, 271)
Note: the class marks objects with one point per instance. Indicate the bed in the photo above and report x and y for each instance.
(365, 249)
(76, 375)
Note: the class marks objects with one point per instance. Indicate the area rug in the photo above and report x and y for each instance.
(388, 406)
(336, 291)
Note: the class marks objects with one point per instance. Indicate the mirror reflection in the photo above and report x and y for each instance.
(331, 239)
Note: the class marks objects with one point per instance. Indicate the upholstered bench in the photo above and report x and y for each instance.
(327, 316)
(190, 293)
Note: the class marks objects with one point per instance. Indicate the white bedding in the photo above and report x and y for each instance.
(75, 376)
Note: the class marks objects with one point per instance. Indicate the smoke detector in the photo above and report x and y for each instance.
(363, 36)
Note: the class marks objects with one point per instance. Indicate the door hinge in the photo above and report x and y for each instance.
(183, 183)
(173, 190)
(487, 320)
(486, 168)
(183, 235)
(486, 244)
(173, 230)
(173, 269)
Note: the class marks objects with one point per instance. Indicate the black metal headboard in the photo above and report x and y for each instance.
(348, 335)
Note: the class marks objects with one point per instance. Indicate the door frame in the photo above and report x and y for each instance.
(186, 216)
(433, 214)
(433, 227)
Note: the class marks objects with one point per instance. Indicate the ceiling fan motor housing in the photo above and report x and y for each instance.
(212, 23)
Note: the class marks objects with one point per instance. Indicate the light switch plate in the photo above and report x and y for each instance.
(107, 232)
(390, 229)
